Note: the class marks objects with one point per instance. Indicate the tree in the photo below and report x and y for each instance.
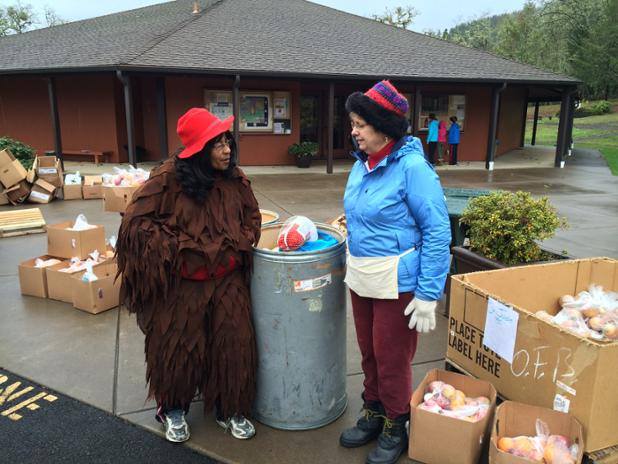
(401, 16)
(595, 59)
(51, 18)
(19, 18)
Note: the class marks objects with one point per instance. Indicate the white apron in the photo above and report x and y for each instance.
(374, 276)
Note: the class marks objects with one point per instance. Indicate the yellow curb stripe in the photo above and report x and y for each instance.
(17, 407)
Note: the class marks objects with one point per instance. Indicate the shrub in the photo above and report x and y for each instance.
(303, 149)
(24, 153)
(505, 226)
(602, 107)
(595, 109)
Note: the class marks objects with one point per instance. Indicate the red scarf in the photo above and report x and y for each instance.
(375, 158)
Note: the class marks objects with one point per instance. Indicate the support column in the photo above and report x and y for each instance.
(417, 111)
(561, 142)
(162, 117)
(535, 122)
(570, 127)
(53, 104)
(331, 128)
(493, 127)
(236, 107)
(522, 140)
(128, 110)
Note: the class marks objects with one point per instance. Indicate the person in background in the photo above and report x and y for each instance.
(432, 137)
(453, 140)
(442, 148)
(398, 241)
(184, 254)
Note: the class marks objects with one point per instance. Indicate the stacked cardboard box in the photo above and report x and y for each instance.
(551, 367)
(15, 189)
(93, 187)
(50, 279)
(464, 440)
(519, 420)
(72, 189)
(116, 199)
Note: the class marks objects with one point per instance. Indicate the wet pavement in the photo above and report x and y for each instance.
(99, 359)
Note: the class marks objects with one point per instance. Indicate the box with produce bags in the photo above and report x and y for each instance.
(118, 188)
(523, 433)
(75, 239)
(72, 189)
(97, 289)
(545, 335)
(32, 275)
(93, 187)
(456, 408)
(60, 283)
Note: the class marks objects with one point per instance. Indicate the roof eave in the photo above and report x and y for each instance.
(282, 74)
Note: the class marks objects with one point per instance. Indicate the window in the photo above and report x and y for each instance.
(443, 106)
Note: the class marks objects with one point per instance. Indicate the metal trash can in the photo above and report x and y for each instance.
(299, 315)
(456, 201)
(269, 217)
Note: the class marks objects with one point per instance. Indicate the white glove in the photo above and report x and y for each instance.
(423, 315)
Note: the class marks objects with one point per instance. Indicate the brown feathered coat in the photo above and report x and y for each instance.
(199, 335)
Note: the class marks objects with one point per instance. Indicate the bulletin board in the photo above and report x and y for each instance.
(219, 102)
(282, 113)
(443, 106)
(259, 111)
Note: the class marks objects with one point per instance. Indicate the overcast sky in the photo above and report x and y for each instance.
(433, 14)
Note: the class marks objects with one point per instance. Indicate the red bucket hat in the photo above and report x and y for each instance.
(198, 126)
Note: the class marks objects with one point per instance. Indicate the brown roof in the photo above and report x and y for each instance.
(284, 37)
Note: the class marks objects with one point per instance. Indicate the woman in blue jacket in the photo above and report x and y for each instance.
(398, 243)
(453, 139)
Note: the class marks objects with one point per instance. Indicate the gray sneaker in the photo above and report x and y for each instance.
(239, 426)
(176, 427)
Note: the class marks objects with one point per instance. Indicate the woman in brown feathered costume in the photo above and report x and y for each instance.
(184, 250)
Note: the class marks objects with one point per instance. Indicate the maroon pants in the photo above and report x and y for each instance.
(387, 347)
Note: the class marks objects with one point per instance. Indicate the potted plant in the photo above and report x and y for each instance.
(303, 153)
(504, 229)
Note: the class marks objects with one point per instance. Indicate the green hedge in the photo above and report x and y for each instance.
(596, 109)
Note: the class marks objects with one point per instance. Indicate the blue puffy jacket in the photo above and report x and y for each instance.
(453, 133)
(398, 205)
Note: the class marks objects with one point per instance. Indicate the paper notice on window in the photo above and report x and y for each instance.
(501, 329)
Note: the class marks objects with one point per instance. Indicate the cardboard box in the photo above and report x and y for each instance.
(100, 295)
(11, 170)
(72, 192)
(48, 168)
(42, 192)
(93, 187)
(33, 280)
(4, 200)
(551, 367)
(516, 419)
(465, 439)
(116, 199)
(11, 173)
(18, 193)
(59, 284)
(66, 243)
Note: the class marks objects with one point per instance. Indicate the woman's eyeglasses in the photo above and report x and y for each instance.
(223, 144)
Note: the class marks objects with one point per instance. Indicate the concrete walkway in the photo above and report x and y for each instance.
(99, 359)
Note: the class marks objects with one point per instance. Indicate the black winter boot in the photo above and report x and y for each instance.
(368, 426)
(391, 443)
